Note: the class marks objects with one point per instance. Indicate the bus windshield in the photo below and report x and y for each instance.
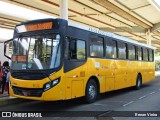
(36, 52)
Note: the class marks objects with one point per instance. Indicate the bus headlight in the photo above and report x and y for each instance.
(51, 84)
(55, 82)
(47, 86)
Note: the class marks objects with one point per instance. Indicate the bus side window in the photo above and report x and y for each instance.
(151, 55)
(96, 47)
(122, 54)
(131, 52)
(139, 53)
(72, 49)
(111, 51)
(145, 54)
(81, 51)
(76, 50)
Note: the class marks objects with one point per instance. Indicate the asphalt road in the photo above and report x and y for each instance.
(125, 104)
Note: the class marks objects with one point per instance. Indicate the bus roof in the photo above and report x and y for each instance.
(112, 35)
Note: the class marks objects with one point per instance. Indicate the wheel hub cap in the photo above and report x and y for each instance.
(92, 91)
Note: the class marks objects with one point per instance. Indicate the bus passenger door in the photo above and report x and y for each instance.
(74, 67)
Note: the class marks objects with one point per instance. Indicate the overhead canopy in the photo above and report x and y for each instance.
(129, 18)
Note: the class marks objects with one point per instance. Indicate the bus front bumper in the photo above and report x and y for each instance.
(52, 94)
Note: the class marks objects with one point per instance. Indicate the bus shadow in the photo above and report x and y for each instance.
(61, 105)
(120, 92)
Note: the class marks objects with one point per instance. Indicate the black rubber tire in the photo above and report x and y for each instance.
(138, 82)
(91, 91)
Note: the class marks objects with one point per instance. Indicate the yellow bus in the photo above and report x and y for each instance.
(53, 59)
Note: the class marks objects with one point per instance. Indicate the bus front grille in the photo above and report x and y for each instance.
(31, 92)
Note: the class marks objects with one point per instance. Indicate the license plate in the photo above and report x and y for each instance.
(26, 93)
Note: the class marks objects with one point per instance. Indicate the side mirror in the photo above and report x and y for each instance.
(7, 48)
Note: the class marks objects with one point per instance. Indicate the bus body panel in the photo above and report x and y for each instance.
(111, 74)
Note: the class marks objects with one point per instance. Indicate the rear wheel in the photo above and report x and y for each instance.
(138, 82)
(91, 91)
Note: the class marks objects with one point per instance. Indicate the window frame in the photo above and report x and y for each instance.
(103, 42)
(111, 40)
(152, 55)
(67, 47)
(143, 49)
(129, 45)
(151, 52)
(126, 51)
(139, 48)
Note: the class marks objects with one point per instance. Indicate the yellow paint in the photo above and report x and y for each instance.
(77, 88)
(111, 74)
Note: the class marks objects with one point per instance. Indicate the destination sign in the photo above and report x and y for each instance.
(34, 27)
(39, 26)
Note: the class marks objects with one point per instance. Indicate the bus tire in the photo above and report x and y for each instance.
(91, 91)
(138, 82)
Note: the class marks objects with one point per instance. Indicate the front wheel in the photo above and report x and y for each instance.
(91, 91)
(138, 82)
